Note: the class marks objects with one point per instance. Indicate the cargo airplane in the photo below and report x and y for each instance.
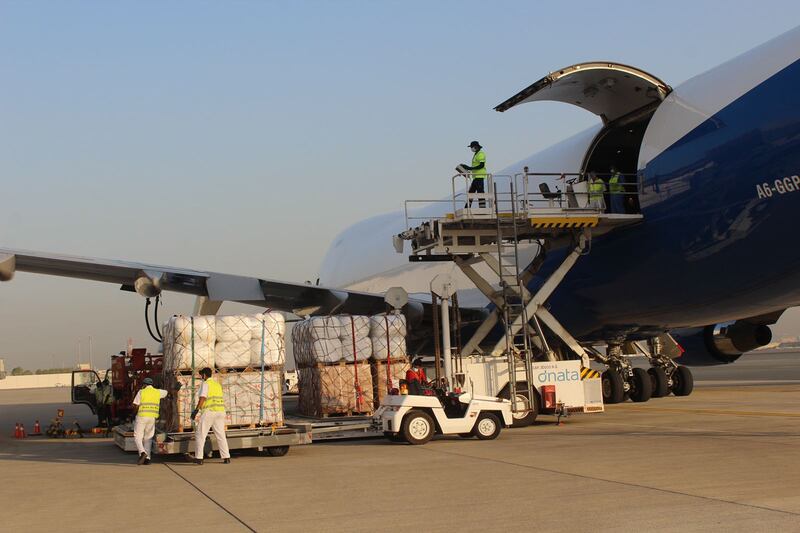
(716, 160)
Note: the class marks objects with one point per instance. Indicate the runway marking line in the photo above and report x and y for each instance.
(715, 412)
(616, 482)
(215, 502)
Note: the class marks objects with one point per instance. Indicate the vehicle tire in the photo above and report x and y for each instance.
(487, 427)
(394, 437)
(641, 387)
(682, 381)
(613, 387)
(277, 451)
(520, 420)
(417, 427)
(659, 381)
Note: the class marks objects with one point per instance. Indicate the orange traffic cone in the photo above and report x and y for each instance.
(37, 429)
(22, 433)
(16, 430)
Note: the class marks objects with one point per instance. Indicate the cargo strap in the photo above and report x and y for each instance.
(388, 357)
(359, 394)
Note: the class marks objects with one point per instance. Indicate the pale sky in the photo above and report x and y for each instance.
(242, 137)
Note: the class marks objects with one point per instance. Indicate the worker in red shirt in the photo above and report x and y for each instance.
(416, 378)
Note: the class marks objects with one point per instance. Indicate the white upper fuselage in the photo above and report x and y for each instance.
(362, 257)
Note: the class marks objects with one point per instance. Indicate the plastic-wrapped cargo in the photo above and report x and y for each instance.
(393, 324)
(242, 395)
(178, 333)
(386, 375)
(233, 328)
(387, 334)
(233, 341)
(183, 358)
(317, 340)
(244, 398)
(331, 339)
(355, 327)
(271, 328)
(234, 354)
(325, 327)
(341, 389)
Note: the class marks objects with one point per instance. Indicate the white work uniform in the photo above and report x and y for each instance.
(210, 420)
(144, 427)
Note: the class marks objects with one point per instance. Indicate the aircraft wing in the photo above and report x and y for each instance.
(149, 280)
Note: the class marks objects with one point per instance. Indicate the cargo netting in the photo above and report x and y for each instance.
(346, 363)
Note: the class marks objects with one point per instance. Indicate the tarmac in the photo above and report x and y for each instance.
(725, 458)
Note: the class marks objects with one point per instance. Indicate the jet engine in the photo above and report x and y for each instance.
(720, 344)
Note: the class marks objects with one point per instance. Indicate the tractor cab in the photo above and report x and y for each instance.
(84, 385)
(416, 419)
(125, 376)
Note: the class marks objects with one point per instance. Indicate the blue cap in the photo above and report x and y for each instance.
(147, 381)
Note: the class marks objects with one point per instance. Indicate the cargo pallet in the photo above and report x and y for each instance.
(351, 427)
(259, 438)
(296, 431)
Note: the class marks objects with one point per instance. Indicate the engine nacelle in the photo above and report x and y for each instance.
(148, 284)
(721, 344)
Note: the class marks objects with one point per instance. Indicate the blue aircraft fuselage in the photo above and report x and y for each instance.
(717, 241)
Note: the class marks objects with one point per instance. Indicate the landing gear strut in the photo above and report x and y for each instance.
(622, 381)
(667, 376)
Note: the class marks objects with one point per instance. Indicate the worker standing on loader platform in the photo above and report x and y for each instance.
(146, 407)
(597, 189)
(212, 416)
(416, 378)
(477, 171)
(616, 191)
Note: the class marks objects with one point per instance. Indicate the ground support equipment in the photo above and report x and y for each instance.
(492, 235)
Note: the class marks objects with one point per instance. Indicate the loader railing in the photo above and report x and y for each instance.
(532, 194)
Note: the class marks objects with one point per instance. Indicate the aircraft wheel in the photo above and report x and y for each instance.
(613, 387)
(641, 387)
(659, 381)
(521, 420)
(682, 381)
(417, 427)
(487, 427)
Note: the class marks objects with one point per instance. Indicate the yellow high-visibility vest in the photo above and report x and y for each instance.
(614, 185)
(478, 158)
(149, 399)
(596, 190)
(214, 400)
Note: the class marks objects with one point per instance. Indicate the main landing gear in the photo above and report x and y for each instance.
(622, 381)
(668, 376)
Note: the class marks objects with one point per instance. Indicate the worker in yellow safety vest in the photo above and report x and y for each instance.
(146, 408)
(477, 171)
(211, 407)
(616, 191)
(597, 189)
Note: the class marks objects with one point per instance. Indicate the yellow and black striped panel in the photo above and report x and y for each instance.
(564, 222)
(588, 373)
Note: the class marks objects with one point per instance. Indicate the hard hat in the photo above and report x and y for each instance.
(474, 143)
(147, 381)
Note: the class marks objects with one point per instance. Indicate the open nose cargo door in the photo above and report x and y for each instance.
(609, 90)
